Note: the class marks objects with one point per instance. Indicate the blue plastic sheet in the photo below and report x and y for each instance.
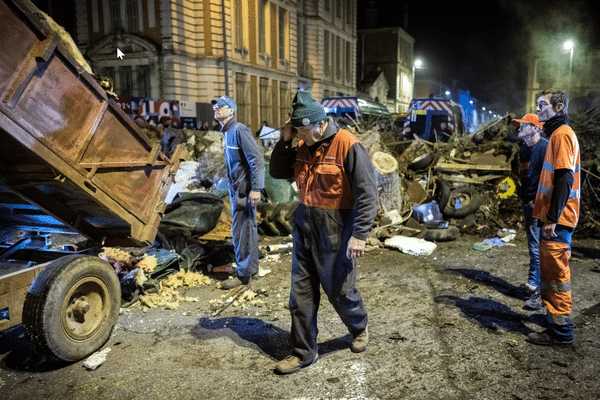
(495, 242)
(428, 212)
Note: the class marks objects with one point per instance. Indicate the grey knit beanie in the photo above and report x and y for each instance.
(306, 110)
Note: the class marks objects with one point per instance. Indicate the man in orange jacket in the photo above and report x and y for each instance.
(557, 209)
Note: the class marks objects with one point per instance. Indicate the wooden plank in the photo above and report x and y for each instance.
(14, 302)
(476, 180)
(19, 279)
(13, 290)
(444, 166)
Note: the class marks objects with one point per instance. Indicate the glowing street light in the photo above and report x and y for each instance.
(417, 64)
(569, 45)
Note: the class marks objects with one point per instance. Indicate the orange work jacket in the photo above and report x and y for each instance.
(321, 178)
(562, 153)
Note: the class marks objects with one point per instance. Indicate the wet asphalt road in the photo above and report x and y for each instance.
(445, 326)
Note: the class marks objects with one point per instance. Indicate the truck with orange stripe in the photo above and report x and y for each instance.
(433, 119)
(355, 108)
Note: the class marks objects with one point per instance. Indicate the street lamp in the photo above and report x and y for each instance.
(569, 45)
(417, 64)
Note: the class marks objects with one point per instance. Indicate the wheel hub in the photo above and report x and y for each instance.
(85, 309)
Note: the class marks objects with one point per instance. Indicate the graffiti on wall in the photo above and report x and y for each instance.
(180, 114)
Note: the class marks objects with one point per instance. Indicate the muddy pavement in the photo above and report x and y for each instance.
(445, 326)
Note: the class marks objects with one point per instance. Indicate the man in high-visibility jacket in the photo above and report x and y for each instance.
(557, 209)
(338, 203)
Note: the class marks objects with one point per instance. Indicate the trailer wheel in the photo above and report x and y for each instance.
(72, 307)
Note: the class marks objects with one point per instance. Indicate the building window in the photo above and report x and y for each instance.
(240, 97)
(238, 24)
(338, 9)
(125, 82)
(262, 36)
(327, 5)
(348, 61)
(282, 18)
(132, 16)
(349, 14)
(338, 58)
(326, 54)
(284, 101)
(143, 80)
(300, 48)
(265, 99)
(114, 9)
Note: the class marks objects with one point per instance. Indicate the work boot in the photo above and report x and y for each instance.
(524, 292)
(545, 338)
(535, 301)
(234, 282)
(292, 364)
(359, 344)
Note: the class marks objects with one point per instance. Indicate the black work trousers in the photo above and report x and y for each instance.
(320, 240)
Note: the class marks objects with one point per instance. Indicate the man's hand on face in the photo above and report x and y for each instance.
(288, 132)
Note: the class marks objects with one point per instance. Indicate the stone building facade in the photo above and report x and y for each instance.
(391, 51)
(259, 52)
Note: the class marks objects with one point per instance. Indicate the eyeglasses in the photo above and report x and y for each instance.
(219, 106)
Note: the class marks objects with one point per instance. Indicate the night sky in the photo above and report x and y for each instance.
(482, 46)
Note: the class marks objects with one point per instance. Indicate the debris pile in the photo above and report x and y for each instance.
(586, 125)
(469, 183)
(168, 296)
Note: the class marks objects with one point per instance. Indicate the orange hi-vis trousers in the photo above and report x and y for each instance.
(556, 279)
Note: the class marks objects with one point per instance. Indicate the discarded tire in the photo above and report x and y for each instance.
(443, 193)
(421, 162)
(441, 235)
(469, 199)
(72, 306)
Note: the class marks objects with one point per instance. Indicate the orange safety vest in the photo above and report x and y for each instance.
(321, 178)
(562, 153)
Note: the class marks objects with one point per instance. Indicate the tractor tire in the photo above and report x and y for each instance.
(72, 307)
(470, 199)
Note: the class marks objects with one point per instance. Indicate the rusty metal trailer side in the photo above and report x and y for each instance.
(70, 161)
(65, 147)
